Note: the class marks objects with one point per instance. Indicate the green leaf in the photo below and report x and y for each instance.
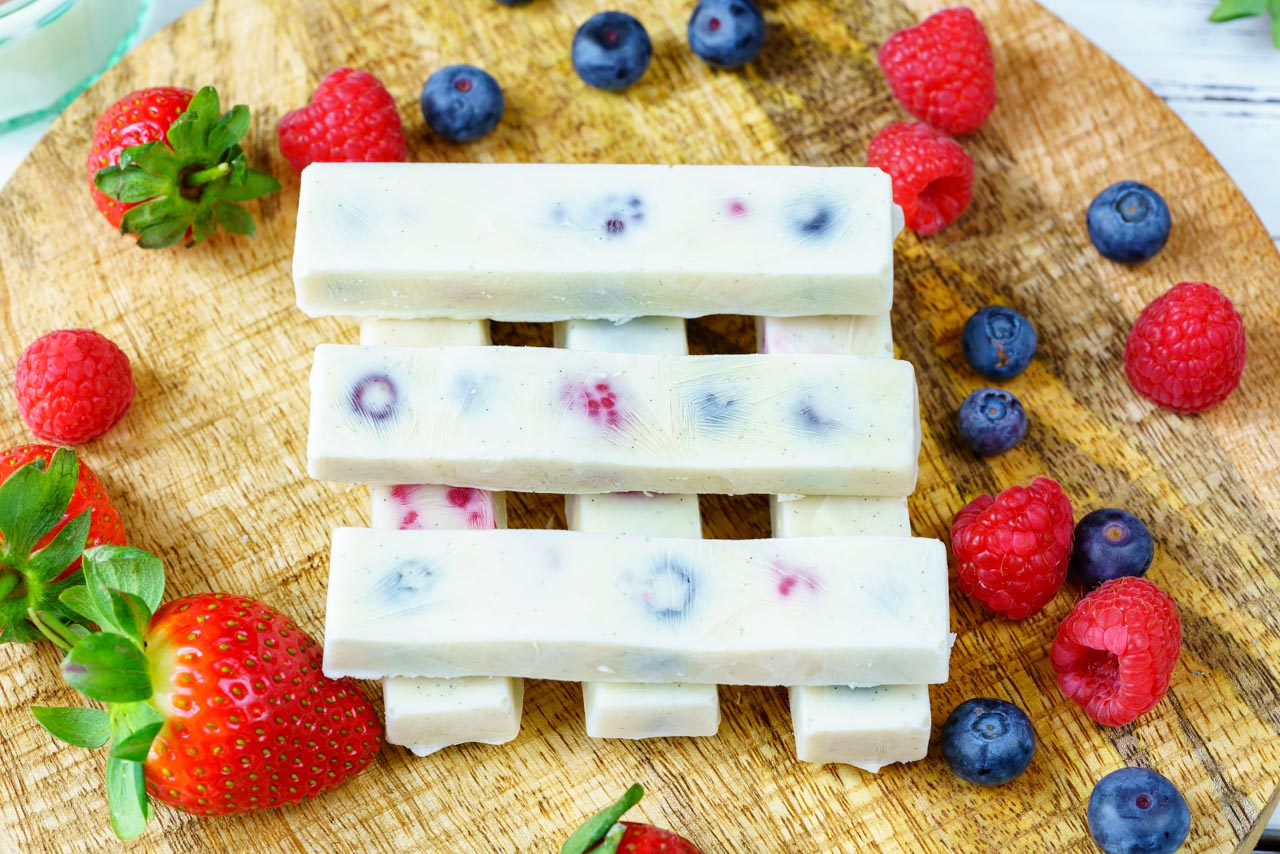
(109, 668)
(48, 563)
(136, 185)
(124, 568)
(598, 826)
(234, 218)
(228, 130)
(1229, 10)
(130, 614)
(109, 180)
(157, 159)
(81, 727)
(254, 185)
(189, 134)
(34, 499)
(203, 226)
(158, 210)
(137, 745)
(127, 797)
(163, 234)
(78, 600)
(239, 168)
(15, 628)
(1275, 22)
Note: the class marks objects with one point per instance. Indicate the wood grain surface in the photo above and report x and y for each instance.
(209, 466)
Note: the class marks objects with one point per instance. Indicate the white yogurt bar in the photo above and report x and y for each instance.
(428, 715)
(633, 709)
(548, 420)
(865, 727)
(810, 611)
(550, 242)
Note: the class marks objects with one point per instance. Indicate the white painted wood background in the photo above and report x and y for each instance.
(1222, 79)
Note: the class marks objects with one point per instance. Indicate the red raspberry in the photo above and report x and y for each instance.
(1186, 349)
(941, 70)
(73, 385)
(1012, 550)
(351, 117)
(1115, 651)
(932, 175)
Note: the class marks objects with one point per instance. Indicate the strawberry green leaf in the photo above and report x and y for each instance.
(254, 185)
(190, 131)
(234, 218)
(137, 745)
(78, 600)
(48, 563)
(228, 131)
(81, 727)
(16, 630)
(598, 826)
(239, 168)
(130, 615)
(124, 568)
(109, 668)
(33, 499)
(135, 185)
(203, 226)
(159, 210)
(1275, 22)
(163, 234)
(1230, 10)
(127, 797)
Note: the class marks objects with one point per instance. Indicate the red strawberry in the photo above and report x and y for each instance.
(164, 165)
(351, 117)
(1114, 653)
(218, 702)
(1012, 550)
(603, 833)
(941, 70)
(49, 502)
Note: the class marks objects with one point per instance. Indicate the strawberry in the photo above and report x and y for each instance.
(164, 165)
(604, 834)
(49, 504)
(217, 702)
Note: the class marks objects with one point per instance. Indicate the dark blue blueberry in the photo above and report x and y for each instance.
(1110, 543)
(726, 33)
(992, 421)
(408, 579)
(611, 51)
(1128, 222)
(987, 741)
(669, 591)
(998, 342)
(1136, 811)
(462, 103)
(375, 397)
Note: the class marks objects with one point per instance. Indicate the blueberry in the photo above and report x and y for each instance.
(1128, 222)
(992, 421)
(1136, 811)
(611, 51)
(669, 591)
(375, 397)
(462, 103)
(998, 342)
(726, 33)
(987, 741)
(1110, 543)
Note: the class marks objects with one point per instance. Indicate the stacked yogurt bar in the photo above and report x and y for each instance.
(842, 605)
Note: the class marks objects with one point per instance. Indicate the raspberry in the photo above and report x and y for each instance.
(932, 175)
(941, 70)
(351, 117)
(1186, 350)
(1115, 651)
(1012, 550)
(73, 385)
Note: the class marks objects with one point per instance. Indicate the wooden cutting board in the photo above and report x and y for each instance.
(209, 466)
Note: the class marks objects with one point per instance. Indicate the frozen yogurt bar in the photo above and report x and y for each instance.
(544, 242)
(549, 420)
(811, 611)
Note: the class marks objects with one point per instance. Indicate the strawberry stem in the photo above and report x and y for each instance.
(53, 628)
(207, 176)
